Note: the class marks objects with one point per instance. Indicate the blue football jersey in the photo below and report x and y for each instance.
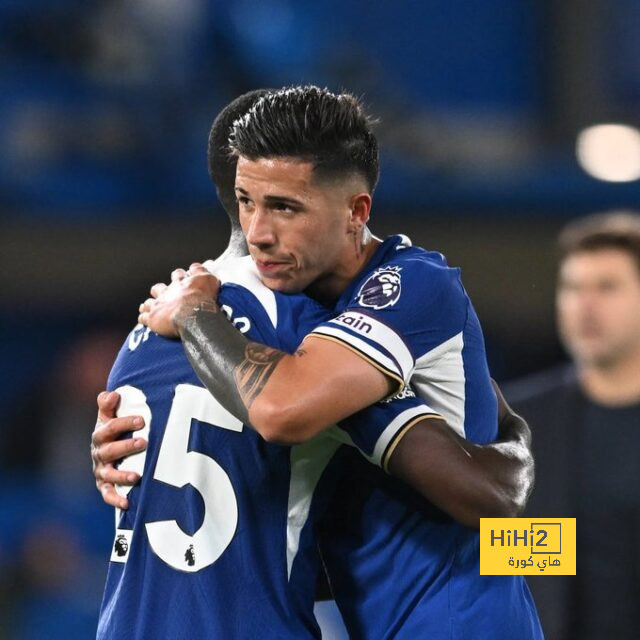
(214, 543)
(409, 315)
(400, 568)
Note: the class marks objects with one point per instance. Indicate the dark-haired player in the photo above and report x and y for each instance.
(307, 167)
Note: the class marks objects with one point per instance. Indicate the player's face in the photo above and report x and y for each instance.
(299, 230)
(598, 306)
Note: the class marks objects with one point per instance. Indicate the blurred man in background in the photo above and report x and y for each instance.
(585, 420)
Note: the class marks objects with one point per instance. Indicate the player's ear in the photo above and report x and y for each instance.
(360, 210)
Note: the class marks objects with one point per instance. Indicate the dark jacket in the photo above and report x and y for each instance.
(552, 403)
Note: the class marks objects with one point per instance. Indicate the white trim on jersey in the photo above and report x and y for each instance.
(360, 346)
(405, 242)
(392, 429)
(378, 333)
(387, 436)
(390, 437)
(308, 461)
(243, 272)
(439, 379)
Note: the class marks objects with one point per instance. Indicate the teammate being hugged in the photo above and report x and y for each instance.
(200, 547)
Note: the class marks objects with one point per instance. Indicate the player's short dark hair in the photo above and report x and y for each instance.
(613, 230)
(222, 163)
(329, 130)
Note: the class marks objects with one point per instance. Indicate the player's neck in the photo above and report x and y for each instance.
(329, 288)
(615, 385)
(237, 246)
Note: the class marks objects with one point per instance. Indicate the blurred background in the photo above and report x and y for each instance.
(498, 121)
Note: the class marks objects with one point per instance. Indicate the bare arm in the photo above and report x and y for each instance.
(465, 480)
(286, 398)
(290, 398)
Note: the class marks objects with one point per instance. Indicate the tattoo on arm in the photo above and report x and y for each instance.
(253, 373)
(187, 312)
(232, 368)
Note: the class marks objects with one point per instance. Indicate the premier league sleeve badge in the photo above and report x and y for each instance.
(381, 289)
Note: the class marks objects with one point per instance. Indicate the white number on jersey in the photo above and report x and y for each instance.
(242, 323)
(139, 334)
(178, 467)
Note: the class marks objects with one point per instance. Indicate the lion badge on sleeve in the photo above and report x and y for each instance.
(382, 288)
